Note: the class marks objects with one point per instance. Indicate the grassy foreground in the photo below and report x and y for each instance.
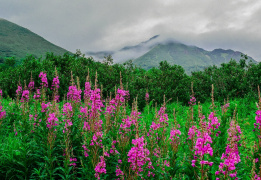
(87, 136)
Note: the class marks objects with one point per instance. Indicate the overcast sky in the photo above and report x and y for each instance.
(95, 25)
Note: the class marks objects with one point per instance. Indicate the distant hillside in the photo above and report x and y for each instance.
(19, 42)
(191, 58)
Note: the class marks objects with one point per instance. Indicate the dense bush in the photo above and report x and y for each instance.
(231, 80)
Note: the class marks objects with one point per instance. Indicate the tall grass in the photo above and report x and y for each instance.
(87, 136)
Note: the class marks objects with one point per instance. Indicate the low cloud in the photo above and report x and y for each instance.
(110, 25)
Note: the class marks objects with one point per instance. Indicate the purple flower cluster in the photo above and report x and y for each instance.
(121, 94)
(45, 106)
(38, 94)
(119, 99)
(31, 85)
(231, 156)
(2, 113)
(87, 91)
(138, 155)
(163, 117)
(51, 121)
(73, 162)
(86, 150)
(25, 96)
(100, 168)
(213, 123)
(130, 120)
(258, 119)
(192, 132)
(147, 97)
(225, 107)
(202, 147)
(43, 79)
(174, 135)
(56, 82)
(18, 91)
(192, 101)
(74, 94)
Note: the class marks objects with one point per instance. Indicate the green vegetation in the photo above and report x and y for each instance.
(48, 140)
(231, 80)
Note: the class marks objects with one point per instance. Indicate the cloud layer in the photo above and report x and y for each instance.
(95, 25)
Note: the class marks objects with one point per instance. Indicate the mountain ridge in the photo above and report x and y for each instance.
(17, 41)
(191, 58)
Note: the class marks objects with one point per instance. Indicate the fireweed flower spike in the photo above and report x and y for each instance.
(31, 85)
(231, 156)
(100, 168)
(25, 96)
(74, 94)
(138, 155)
(43, 79)
(18, 91)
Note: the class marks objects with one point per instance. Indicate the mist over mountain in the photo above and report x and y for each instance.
(18, 42)
(148, 54)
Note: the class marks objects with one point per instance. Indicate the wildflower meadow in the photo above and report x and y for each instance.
(84, 135)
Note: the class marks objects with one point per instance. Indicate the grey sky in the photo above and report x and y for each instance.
(94, 25)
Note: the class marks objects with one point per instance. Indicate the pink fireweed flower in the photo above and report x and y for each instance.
(86, 150)
(38, 94)
(192, 132)
(138, 155)
(192, 101)
(257, 177)
(225, 107)
(100, 168)
(163, 117)
(97, 139)
(52, 121)
(121, 94)
(231, 156)
(258, 119)
(74, 94)
(19, 90)
(110, 109)
(2, 112)
(166, 163)
(43, 79)
(67, 109)
(86, 126)
(31, 85)
(174, 139)
(56, 82)
(73, 160)
(25, 96)
(118, 171)
(45, 106)
(202, 146)
(96, 103)
(131, 120)
(87, 91)
(1, 93)
(155, 126)
(147, 97)
(213, 123)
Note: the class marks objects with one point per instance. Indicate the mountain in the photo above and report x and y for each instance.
(132, 51)
(191, 58)
(18, 42)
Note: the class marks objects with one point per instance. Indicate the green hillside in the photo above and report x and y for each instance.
(191, 58)
(18, 42)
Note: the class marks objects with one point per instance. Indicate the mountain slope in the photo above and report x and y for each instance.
(191, 58)
(18, 41)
